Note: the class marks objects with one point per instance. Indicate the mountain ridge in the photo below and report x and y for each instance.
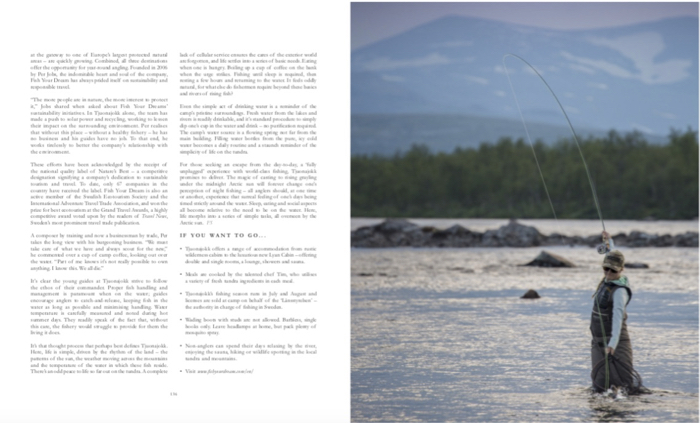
(640, 77)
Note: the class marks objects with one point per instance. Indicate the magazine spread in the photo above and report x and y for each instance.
(177, 199)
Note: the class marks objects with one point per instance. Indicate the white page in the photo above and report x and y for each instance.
(283, 387)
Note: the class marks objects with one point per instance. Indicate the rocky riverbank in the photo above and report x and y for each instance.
(402, 233)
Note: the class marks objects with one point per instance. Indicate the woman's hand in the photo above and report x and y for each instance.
(610, 351)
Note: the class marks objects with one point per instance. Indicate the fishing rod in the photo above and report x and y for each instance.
(605, 247)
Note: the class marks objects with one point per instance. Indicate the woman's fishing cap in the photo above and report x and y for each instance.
(614, 260)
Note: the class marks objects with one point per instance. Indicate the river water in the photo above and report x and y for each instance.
(442, 334)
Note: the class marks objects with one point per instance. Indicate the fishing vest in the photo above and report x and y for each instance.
(604, 300)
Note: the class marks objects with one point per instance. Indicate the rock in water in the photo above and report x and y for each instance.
(390, 233)
(512, 235)
(545, 259)
(455, 236)
(531, 294)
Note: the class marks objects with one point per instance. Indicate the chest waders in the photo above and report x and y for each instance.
(618, 368)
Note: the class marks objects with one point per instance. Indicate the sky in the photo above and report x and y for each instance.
(375, 21)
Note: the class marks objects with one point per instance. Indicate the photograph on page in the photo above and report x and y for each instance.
(178, 197)
(524, 205)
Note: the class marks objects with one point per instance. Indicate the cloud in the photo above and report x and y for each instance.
(598, 85)
(581, 68)
(641, 128)
(665, 115)
(453, 44)
(476, 79)
(610, 68)
(500, 93)
(393, 78)
(641, 49)
(572, 110)
(386, 63)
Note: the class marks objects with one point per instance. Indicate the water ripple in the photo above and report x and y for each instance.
(442, 335)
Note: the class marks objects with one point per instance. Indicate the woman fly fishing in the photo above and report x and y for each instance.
(611, 347)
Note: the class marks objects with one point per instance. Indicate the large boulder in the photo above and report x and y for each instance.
(389, 233)
(455, 236)
(545, 259)
(643, 239)
(688, 239)
(402, 233)
(512, 235)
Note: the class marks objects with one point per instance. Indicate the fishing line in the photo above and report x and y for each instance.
(522, 118)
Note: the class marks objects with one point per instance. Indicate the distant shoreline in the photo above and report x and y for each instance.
(568, 227)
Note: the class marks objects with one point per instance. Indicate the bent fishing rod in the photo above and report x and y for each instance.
(604, 248)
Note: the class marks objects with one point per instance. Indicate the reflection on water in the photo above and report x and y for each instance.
(442, 335)
(613, 411)
(659, 406)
